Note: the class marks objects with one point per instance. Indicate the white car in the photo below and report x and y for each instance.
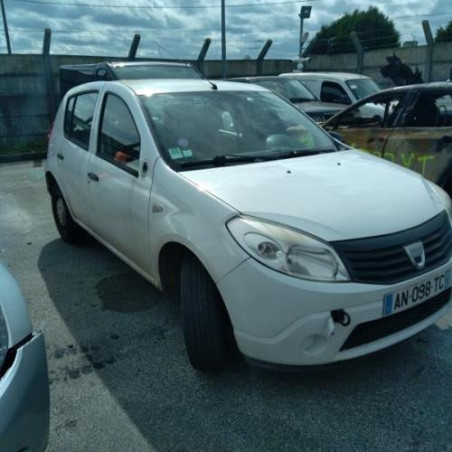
(24, 385)
(340, 87)
(303, 250)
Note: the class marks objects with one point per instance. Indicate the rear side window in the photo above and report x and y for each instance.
(78, 118)
(119, 140)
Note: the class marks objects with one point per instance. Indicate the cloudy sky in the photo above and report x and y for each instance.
(177, 28)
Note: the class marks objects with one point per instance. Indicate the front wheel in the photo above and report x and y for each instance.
(69, 230)
(205, 320)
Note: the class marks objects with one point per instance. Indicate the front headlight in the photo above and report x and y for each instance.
(287, 250)
(3, 338)
(440, 198)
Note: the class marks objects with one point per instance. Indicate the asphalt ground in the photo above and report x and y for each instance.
(120, 379)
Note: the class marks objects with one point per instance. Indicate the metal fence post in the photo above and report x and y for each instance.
(202, 54)
(359, 52)
(5, 27)
(48, 76)
(261, 56)
(134, 47)
(429, 54)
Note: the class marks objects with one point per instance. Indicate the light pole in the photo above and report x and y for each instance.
(5, 26)
(223, 40)
(305, 13)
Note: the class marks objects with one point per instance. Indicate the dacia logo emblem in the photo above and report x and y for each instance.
(416, 253)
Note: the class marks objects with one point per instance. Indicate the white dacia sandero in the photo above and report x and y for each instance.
(300, 250)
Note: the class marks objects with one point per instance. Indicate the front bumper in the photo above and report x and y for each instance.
(283, 320)
(24, 400)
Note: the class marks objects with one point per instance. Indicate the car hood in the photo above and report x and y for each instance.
(335, 196)
(13, 308)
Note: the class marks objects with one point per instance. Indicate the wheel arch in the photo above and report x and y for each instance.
(51, 182)
(170, 260)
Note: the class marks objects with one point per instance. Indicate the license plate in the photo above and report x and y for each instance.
(416, 294)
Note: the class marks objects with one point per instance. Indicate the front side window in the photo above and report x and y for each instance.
(379, 112)
(333, 92)
(192, 127)
(119, 140)
(78, 118)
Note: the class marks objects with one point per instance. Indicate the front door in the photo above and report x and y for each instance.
(120, 181)
(422, 139)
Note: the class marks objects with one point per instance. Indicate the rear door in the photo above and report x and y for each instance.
(74, 155)
(120, 176)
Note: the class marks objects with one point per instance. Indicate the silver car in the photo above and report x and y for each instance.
(24, 385)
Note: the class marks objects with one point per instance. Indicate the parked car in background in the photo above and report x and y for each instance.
(338, 87)
(75, 74)
(415, 130)
(298, 94)
(304, 251)
(24, 386)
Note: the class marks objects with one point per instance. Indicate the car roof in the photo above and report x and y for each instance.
(148, 87)
(256, 78)
(114, 64)
(146, 63)
(342, 76)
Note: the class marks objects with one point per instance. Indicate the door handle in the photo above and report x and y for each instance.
(93, 177)
(60, 155)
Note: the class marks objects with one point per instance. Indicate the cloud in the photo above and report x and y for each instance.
(179, 33)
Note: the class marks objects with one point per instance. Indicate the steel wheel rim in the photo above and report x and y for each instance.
(61, 212)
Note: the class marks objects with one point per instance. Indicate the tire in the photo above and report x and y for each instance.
(69, 230)
(206, 325)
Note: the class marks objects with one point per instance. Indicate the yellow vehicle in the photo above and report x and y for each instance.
(414, 128)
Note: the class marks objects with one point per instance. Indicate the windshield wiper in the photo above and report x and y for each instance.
(227, 159)
(297, 153)
(222, 160)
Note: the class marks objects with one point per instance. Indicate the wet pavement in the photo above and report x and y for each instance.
(120, 379)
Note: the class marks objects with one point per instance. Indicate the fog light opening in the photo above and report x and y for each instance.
(341, 317)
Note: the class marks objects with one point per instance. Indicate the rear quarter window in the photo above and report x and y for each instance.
(78, 118)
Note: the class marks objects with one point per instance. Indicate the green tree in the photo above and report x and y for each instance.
(374, 29)
(444, 33)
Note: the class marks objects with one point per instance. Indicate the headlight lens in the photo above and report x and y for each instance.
(440, 198)
(3, 338)
(287, 250)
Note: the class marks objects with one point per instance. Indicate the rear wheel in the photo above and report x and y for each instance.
(69, 230)
(205, 321)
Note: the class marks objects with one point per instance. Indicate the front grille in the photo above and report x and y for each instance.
(383, 260)
(380, 328)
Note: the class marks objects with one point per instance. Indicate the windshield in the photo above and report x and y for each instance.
(194, 127)
(164, 71)
(362, 87)
(290, 89)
